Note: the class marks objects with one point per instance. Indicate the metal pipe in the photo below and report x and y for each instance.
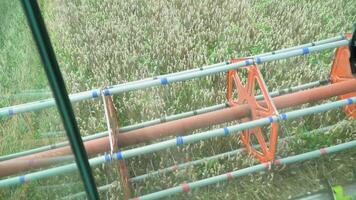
(182, 140)
(179, 76)
(182, 126)
(341, 37)
(200, 161)
(258, 60)
(163, 119)
(220, 106)
(58, 87)
(49, 147)
(215, 157)
(249, 170)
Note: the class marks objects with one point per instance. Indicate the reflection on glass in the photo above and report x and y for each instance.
(104, 43)
(23, 84)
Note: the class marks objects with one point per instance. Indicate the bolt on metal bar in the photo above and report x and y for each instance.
(183, 75)
(50, 64)
(164, 119)
(180, 140)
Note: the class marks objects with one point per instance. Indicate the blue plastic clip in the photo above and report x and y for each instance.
(119, 155)
(270, 119)
(284, 116)
(11, 112)
(106, 92)
(164, 81)
(94, 94)
(349, 101)
(258, 60)
(22, 179)
(226, 131)
(305, 50)
(107, 157)
(179, 140)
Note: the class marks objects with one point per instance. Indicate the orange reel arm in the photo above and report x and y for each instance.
(246, 95)
(342, 71)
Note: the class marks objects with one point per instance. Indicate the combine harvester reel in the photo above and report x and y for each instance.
(246, 95)
(343, 68)
(258, 115)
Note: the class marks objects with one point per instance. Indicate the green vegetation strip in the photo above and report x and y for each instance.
(180, 140)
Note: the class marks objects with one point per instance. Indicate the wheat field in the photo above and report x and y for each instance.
(107, 42)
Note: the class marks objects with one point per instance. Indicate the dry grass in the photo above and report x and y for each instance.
(100, 43)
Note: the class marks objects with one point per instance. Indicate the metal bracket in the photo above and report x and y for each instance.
(341, 71)
(111, 116)
(259, 109)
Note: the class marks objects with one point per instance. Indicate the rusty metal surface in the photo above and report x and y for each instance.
(180, 126)
(120, 164)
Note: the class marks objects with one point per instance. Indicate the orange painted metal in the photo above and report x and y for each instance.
(181, 126)
(230, 80)
(114, 127)
(246, 95)
(341, 71)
